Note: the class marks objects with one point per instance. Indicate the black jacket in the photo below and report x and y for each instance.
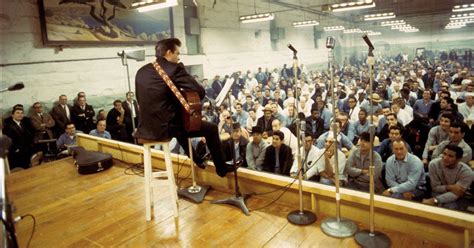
(21, 148)
(159, 108)
(268, 128)
(84, 123)
(319, 127)
(285, 157)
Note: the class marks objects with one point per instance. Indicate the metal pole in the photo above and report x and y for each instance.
(299, 217)
(371, 238)
(336, 227)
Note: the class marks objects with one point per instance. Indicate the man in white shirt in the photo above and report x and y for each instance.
(309, 157)
(325, 167)
(402, 116)
(467, 108)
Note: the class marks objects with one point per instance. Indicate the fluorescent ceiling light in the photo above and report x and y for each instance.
(462, 16)
(333, 28)
(365, 4)
(305, 23)
(464, 7)
(382, 16)
(392, 23)
(468, 20)
(372, 33)
(352, 31)
(257, 18)
(149, 5)
(401, 26)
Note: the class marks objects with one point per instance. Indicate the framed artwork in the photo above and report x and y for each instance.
(83, 22)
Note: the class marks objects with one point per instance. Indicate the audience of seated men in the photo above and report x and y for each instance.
(100, 130)
(357, 167)
(278, 157)
(343, 141)
(314, 124)
(386, 147)
(404, 173)
(450, 179)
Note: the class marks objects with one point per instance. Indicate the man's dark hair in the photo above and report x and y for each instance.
(166, 44)
(238, 104)
(251, 109)
(363, 110)
(460, 125)
(69, 123)
(395, 128)
(81, 93)
(365, 136)
(392, 114)
(279, 134)
(448, 116)
(458, 150)
(117, 101)
(446, 92)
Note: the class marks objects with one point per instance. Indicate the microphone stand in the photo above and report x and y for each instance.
(371, 238)
(237, 199)
(300, 216)
(336, 227)
(195, 192)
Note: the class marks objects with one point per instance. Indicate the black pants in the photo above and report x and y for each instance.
(210, 132)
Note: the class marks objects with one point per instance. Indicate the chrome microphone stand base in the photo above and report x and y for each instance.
(238, 201)
(301, 218)
(194, 193)
(343, 228)
(376, 239)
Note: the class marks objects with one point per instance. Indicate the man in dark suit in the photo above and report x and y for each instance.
(159, 116)
(19, 129)
(236, 145)
(131, 109)
(61, 114)
(82, 115)
(278, 157)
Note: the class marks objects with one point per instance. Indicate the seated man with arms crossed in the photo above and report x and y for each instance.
(404, 173)
(450, 178)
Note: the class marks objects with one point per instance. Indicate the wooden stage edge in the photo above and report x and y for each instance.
(452, 228)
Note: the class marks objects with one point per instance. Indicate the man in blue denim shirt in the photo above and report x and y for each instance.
(404, 173)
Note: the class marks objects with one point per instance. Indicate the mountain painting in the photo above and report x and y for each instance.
(101, 21)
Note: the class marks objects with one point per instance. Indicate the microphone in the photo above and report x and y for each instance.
(367, 41)
(330, 42)
(292, 48)
(17, 86)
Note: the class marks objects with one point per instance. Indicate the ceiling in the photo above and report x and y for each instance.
(426, 15)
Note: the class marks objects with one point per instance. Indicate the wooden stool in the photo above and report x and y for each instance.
(150, 175)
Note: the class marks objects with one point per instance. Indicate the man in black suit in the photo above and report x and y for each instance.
(159, 116)
(115, 122)
(236, 145)
(61, 114)
(131, 109)
(278, 157)
(20, 130)
(82, 115)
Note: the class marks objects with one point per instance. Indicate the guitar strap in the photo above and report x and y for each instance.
(173, 88)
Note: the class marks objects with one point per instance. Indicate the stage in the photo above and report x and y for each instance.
(107, 210)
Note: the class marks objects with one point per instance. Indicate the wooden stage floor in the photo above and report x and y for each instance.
(107, 210)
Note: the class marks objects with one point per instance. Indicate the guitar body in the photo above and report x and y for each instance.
(192, 122)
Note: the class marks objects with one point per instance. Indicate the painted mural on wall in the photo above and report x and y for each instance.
(101, 21)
